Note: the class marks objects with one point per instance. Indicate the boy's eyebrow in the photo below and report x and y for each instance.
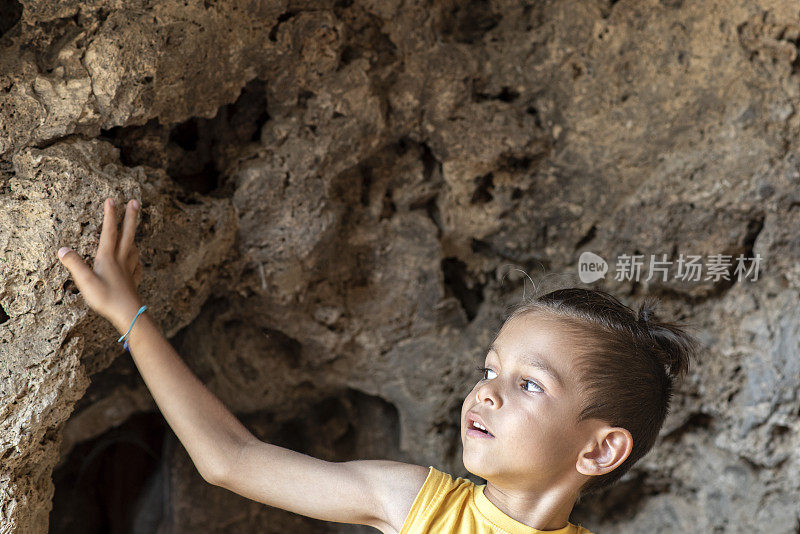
(534, 359)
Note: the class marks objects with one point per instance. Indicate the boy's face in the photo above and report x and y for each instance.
(534, 441)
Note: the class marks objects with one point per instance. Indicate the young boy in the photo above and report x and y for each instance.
(535, 426)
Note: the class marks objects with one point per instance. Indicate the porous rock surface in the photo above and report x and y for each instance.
(339, 201)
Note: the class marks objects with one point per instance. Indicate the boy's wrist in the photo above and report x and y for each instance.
(124, 317)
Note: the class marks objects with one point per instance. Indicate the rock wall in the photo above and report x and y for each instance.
(339, 200)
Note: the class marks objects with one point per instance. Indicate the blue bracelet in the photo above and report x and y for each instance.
(125, 345)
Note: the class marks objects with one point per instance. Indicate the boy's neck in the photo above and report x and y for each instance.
(548, 510)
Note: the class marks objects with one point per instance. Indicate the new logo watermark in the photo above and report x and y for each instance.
(591, 267)
(689, 267)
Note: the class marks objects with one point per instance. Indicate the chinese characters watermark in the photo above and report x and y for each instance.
(688, 267)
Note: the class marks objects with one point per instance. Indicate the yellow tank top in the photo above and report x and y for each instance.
(460, 507)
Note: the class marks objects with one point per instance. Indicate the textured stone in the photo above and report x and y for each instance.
(340, 200)
(54, 197)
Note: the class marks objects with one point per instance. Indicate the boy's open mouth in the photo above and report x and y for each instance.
(477, 428)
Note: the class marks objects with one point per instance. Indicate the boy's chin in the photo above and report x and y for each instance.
(475, 465)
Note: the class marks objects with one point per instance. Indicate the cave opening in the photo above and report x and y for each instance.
(10, 13)
(136, 477)
(114, 482)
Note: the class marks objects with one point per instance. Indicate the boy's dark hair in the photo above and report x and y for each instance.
(626, 370)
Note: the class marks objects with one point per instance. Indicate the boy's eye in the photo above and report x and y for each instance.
(534, 384)
(529, 385)
(485, 371)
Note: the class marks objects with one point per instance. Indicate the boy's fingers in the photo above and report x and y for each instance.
(108, 236)
(81, 273)
(128, 229)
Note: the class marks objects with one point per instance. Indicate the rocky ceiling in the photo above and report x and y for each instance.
(341, 198)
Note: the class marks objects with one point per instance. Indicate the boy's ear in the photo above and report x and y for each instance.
(609, 447)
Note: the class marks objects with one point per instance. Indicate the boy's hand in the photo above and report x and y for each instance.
(110, 287)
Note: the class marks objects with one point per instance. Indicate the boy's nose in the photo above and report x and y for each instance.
(488, 394)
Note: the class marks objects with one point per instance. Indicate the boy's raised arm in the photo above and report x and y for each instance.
(377, 493)
(206, 428)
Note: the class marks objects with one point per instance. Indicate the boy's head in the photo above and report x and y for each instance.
(583, 426)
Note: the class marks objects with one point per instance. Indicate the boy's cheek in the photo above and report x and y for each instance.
(465, 406)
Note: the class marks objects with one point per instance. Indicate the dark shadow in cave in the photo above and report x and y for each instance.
(467, 22)
(349, 425)
(119, 483)
(99, 488)
(197, 152)
(10, 13)
(460, 284)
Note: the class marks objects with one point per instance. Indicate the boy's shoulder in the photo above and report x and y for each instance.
(457, 505)
(396, 486)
